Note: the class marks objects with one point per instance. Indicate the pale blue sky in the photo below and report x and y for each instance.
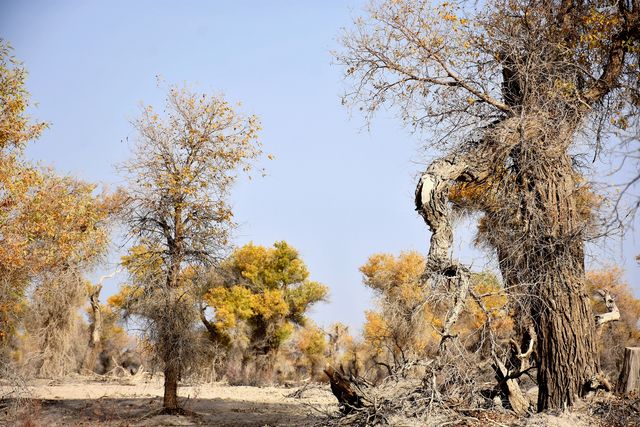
(336, 191)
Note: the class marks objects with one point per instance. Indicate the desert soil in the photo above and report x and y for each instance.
(84, 402)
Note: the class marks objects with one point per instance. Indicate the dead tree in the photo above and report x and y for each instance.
(629, 381)
(347, 389)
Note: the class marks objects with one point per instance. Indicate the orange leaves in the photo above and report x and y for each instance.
(15, 127)
(410, 313)
(599, 25)
(399, 276)
(376, 330)
(50, 221)
(476, 193)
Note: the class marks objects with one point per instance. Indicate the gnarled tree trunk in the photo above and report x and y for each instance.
(567, 353)
(551, 230)
(533, 221)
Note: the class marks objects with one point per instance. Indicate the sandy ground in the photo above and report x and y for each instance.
(82, 402)
(132, 401)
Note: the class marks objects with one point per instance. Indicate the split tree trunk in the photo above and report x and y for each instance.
(629, 381)
(537, 229)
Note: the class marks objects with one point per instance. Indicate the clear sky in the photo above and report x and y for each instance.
(336, 190)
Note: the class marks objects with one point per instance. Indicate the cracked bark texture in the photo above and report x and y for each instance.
(510, 98)
(536, 230)
(432, 202)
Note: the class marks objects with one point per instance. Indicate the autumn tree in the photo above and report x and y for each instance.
(53, 229)
(407, 322)
(512, 94)
(71, 234)
(311, 342)
(16, 129)
(185, 161)
(261, 294)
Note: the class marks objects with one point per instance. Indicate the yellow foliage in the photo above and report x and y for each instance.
(15, 127)
(376, 330)
(265, 288)
(312, 343)
(405, 324)
(271, 304)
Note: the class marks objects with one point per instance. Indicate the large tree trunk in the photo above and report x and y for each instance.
(553, 263)
(525, 184)
(567, 353)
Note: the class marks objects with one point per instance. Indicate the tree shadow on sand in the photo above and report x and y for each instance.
(139, 412)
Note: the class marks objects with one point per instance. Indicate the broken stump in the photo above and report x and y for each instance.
(629, 380)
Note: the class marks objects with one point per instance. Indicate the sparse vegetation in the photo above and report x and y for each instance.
(513, 96)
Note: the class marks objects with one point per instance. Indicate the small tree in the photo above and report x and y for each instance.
(261, 294)
(409, 318)
(184, 164)
(311, 342)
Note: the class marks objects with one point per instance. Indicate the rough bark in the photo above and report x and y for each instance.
(553, 264)
(346, 389)
(537, 232)
(172, 366)
(170, 400)
(629, 381)
(567, 361)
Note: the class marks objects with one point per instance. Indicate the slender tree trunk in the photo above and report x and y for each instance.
(95, 330)
(170, 402)
(171, 365)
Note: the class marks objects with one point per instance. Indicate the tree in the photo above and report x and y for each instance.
(409, 318)
(311, 341)
(52, 230)
(68, 230)
(262, 294)
(184, 165)
(16, 129)
(512, 94)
